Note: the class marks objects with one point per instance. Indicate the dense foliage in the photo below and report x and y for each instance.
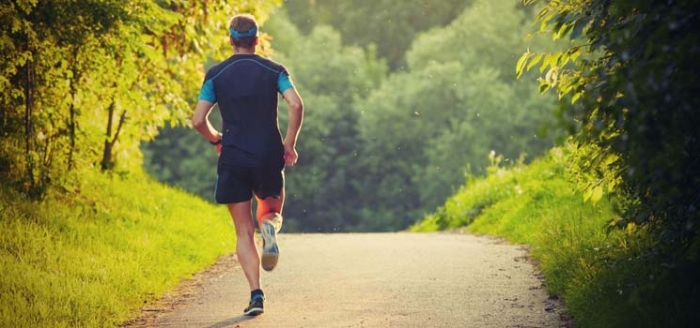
(629, 88)
(389, 25)
(634, 98)
(459, 101)
(83, 83)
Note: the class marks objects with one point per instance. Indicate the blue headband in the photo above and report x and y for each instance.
(242, 35)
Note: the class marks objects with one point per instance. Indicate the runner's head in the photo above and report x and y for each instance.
(243, 31)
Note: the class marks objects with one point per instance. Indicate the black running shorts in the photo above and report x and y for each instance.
(237, 184)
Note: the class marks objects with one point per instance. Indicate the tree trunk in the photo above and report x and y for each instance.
(107, 162)
(30, 183)
(107, 153)
(71, 123)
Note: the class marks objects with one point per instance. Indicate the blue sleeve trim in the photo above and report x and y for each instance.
(284, 82)
(207, 92)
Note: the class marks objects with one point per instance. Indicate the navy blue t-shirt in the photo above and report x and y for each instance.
(246, 87)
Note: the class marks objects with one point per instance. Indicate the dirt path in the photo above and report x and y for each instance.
(371, 280)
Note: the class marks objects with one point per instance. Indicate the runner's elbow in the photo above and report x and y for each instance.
(296, 107)
(198, 122)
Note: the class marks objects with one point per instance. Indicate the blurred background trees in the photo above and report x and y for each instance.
(403, 99)
(390, 25)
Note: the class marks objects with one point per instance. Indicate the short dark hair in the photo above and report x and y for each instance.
(243, 23)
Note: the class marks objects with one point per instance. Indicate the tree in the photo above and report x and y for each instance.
(46, 64)
(458, 102)
(628, 87)
(84, 82)
(389, 25)
(630, 79)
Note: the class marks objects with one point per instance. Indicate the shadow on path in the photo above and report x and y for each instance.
(232, 322)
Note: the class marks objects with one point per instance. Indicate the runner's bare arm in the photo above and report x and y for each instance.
(200, 121)
(296, 117)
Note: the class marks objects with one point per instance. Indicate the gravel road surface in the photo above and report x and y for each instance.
(370, 280)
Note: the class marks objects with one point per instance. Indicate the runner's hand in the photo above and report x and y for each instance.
(290, 156)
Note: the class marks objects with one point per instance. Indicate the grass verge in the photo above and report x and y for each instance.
(92, 258)
(606, 277)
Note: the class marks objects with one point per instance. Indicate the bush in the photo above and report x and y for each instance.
(93, 257)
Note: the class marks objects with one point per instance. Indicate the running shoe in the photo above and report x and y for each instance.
(270, 251)
(255, 306)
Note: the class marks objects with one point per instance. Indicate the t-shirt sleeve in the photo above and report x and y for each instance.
(284, 82)
(207, 92)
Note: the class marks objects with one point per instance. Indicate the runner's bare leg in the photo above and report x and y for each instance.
(268, 207)
(246, 250)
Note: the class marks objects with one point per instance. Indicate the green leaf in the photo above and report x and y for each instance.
(534, 61)
(576, 97)
(520, 65)
(563, 30)
(578, 29)
(596, 194)
(547, 62)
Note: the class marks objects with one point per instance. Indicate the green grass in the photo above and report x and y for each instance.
(606, 277)
(94, 257)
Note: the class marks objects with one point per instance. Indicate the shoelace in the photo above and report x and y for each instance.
(257, 298)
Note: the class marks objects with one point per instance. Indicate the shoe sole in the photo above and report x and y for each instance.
(270, 253)
(254, 311)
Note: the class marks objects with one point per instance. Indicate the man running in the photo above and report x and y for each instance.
(252, 153)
